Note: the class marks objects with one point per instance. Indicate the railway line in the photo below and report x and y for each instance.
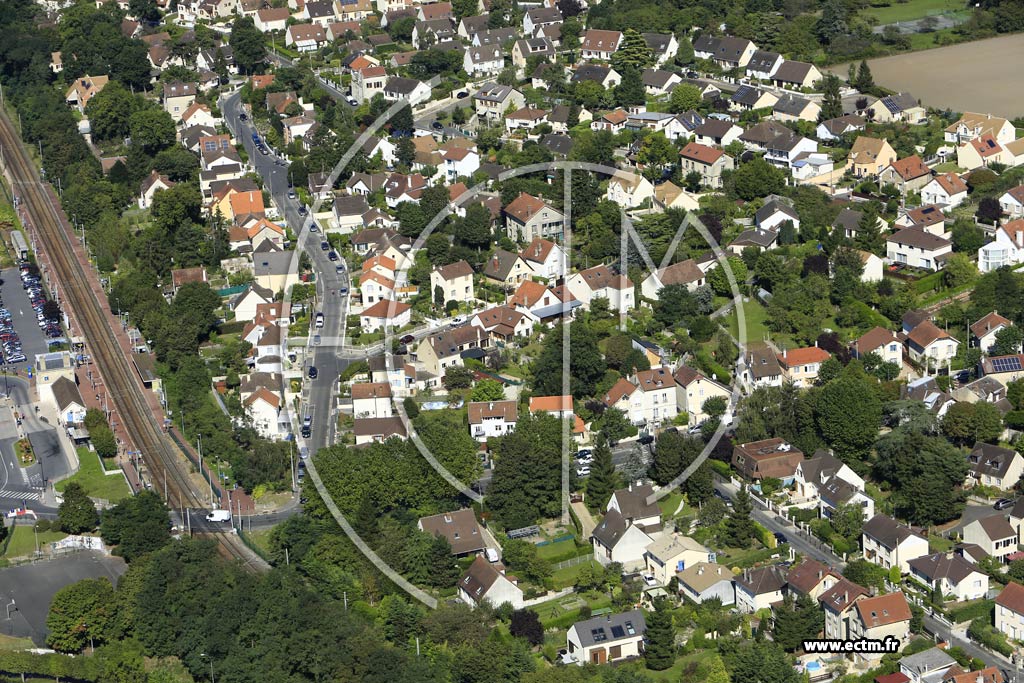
(163, 459)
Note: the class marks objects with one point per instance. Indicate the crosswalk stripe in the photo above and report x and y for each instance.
(20, 495)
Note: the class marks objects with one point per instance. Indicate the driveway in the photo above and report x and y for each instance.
(586, 519)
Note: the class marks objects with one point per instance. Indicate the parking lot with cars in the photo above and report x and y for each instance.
(26, 322)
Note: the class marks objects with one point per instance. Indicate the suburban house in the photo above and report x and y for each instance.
(810, 578)
(927, 343)
(617, 540)
(459, 528)
(686, 273)
(178, 97)
(406, 89)
(672, 554)
(833, 129)
(815, 473)
(305, 37)
(748, 98)
(1010, 611)
(917, 248)
(562, 408)
(838, 603)
(984, 331)
(762, 367)
(879, 341)
(152, 184)
(486, 582)
(801, 366)
(709, 162)
(972, 125)
(70, 406)
(493, 100)
(600, 45)
(648, 398)
(945, 189)
(727, 52)
(378, 429)
(1012, 202)
(982, 152)
(693, 390)
(880, 617)
(888, 543)
(443, 350)
(629, 189)
(1007, 249)
(994, 535)
(899, 107)
(924, 667)
(84, 89)
(906, 175)
(769, 458)
(506, 269)
(371, 399)
(601, 282)
(385, 313)
(717, 132)
(632, 503)
(759, 588)
(455, 281)
(705, 581)
(528, 217)
(869, 156)
(950, 574)
(546, 259)
(994, 466)
(489, 419)
(792, 74)
(837, 492)
(763, 64)
(608, 638)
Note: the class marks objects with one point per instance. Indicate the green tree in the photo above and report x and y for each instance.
(865, 81)
(797, 620)
(405, 153)
(960, 270)
(739, 529)
(719, 280)
(832, 23)
(848, 520)
(586, 364)
(528, 475)
(526, 624)
(1008, 341)
(104, 441)
(832, 101)
(79, 613)
(633, 54)
(967, 237)
(757, 178)
(660, 650)
(152, 129)
(109, 112)
(965, 423)
(849, 415)
(868, 237)
(136, 525)
(760, 661)
(488, 390)
(630, 92)
(603, 480)
(684, 98)
(77, 512)
(247, 45)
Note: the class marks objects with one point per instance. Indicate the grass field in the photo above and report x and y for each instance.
(23, 542)
(755, 316)
(914, 9)
(96, 484)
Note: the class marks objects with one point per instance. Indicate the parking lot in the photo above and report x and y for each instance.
(20, 333)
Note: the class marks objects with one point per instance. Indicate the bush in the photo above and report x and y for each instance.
(981, 609)
(985, 634)
(412, 409)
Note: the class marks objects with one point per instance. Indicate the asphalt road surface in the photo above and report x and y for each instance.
(20, 485)
(331, 302)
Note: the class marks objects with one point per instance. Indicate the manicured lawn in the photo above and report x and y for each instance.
(755, 316)
(566, 577)
(562, 608)
(561, 549)
(669, 504)
(96, 484)
(745, 557)
(939, 544)
(11, 643)
(914, 9)
(23, 542)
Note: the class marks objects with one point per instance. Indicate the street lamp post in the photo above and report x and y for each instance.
(206, 656)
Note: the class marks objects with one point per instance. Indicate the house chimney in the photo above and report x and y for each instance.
(700, 570)
(719, 571)
(846, 596)
(821, 574)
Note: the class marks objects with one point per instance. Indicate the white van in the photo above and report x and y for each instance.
(218, 516)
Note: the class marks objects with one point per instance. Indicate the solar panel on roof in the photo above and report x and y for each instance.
(1008, 364)
(617, 632)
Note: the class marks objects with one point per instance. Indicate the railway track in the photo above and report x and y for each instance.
(163, 459)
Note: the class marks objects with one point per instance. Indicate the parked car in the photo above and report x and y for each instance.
(583, 471)
(407, 339)
(646, 439)
(780, 537)
(353, 102)
(649, 580)
(333, 255)
(312, 372)
(1003, 503)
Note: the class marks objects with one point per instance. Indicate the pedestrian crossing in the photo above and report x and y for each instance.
(20, 495)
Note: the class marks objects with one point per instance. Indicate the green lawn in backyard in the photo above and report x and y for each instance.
(925, 41)
(669, 504)
(744, 557)
(914, 9)
(939, 544)
(566, 577)
(23, 541)
(554, 609)
(675, 672)
(755, 315)
(90, 475)
(560, 549)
